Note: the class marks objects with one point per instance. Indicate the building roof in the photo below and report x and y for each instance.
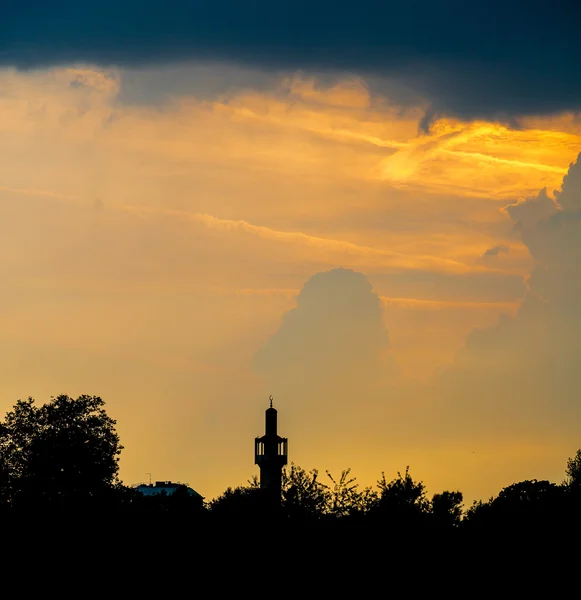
(169, 487)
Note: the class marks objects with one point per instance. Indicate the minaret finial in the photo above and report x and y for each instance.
(270, 398)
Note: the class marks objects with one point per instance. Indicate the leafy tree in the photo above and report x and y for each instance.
(63, 453)
(479, 514)
(240, 503)
(402, 501)
(526, 503)
(303, 495)
(446, 509)
(346, 499)
(573, 471)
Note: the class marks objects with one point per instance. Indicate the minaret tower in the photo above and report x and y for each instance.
(271, 454)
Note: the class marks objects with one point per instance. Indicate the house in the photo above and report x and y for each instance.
(166, 487)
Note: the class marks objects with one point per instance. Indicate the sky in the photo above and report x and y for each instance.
(373, 215)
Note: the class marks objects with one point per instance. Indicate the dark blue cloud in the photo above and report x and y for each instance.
(472, 58)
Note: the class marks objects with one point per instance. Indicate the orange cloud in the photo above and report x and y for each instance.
(386, 257)
(482, 159)
(241, 196)
(419, 304)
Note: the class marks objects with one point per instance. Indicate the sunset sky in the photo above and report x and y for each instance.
(372, 214)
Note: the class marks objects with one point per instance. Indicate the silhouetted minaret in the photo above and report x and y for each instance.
(271, 454)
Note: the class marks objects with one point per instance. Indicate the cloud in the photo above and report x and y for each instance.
(473, 60)
(215, 211)
(490, 257)
(529, 211)
(569, 197)
(474, 149)
(336, 329)
(329, 351)
(521, 377)
(337, 247)
(485, 285)
(294, 126)
(496, 250)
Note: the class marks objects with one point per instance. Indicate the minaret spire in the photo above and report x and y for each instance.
(271, 454)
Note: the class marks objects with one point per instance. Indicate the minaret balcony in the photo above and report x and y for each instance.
(271, 451)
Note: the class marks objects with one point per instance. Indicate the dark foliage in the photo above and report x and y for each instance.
(61, 455)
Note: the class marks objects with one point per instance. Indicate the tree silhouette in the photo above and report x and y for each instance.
(303, 495)
(573, 471)
(402, 501)
(446, 509)
(479, 514)
(526, 503)
(239, 503)
(346, 499)
(59, 455)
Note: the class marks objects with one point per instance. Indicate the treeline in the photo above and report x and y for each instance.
(404, 502)
(62, 458)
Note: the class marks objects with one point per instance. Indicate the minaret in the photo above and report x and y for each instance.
(270, 454)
